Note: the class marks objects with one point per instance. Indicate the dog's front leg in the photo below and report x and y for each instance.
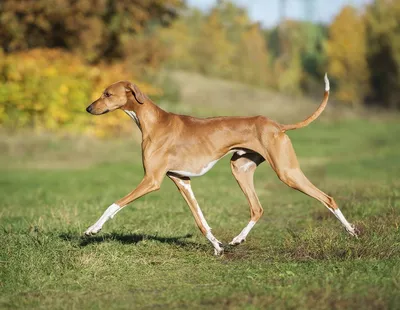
(147, 185)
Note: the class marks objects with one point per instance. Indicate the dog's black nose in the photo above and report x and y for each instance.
(89, 109)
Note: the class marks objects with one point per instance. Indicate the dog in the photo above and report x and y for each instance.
(182, 147)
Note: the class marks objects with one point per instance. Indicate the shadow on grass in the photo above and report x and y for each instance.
(83, 241)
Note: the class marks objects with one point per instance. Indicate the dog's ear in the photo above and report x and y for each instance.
(137, 93)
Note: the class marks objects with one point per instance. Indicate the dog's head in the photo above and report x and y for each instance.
(121, 95)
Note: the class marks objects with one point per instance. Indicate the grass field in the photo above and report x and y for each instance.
(151, 255)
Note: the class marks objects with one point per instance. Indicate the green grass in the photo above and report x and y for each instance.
(151, 255)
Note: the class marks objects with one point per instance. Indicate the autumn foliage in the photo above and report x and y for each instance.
(224, 43)
(58, 55)
(96, 29)
(360, 50)
(48, 89)
(347, 56)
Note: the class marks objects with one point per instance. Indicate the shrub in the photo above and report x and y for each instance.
(48, 89)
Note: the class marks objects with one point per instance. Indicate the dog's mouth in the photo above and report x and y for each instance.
(106, 111)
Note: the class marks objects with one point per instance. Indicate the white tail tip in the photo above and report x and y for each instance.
(327, 86)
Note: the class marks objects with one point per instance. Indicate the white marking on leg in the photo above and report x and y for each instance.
(218, 250)
(349, 227)
(247, 166)
(198, 210)
(339, 215)
(214, 241)
(243, 234)
(108, 214)
(188, 188)
(202, 219)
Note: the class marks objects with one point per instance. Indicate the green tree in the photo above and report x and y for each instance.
(252, 59)
(212, 49)
(313, 57)
(223, 43)
(179, 39)
(347, 56)
(382, 18)
(287, 66)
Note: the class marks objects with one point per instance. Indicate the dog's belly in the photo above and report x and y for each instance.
(196, 172)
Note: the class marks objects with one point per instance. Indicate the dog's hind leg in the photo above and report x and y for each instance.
(183, 184)
(243, 167)
(284, 161)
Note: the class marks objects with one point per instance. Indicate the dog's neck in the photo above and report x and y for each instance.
(146, 116)
(134, 117)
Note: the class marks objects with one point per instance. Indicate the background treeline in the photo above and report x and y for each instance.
(57, 55)
(360, 49)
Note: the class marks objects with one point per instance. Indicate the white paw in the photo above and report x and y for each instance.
(218, 251)
(92, 230)
(237, 240)
(352, 231)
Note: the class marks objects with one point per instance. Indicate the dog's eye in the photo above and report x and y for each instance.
(107, 95)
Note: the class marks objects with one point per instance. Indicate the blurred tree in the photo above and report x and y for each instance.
(234, 19)
(179, 39)
(212, 50)
(297, 54)
(223, 43)
(347, 56)
(251, 57)
(98, 29)
(313, 57)
(287, 66)
(382, 18)
(48, 89)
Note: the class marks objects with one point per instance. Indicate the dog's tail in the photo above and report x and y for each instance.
(313, 116)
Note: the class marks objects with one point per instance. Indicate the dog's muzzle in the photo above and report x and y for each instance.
(89, 109)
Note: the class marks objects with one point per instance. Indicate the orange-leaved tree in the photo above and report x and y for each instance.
(347, 56)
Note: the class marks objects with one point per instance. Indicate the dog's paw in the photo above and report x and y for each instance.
(92, 230)
(353, 231)
(237, 240)
(218, 251)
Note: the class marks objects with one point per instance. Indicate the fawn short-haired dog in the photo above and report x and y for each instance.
(183, 147)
